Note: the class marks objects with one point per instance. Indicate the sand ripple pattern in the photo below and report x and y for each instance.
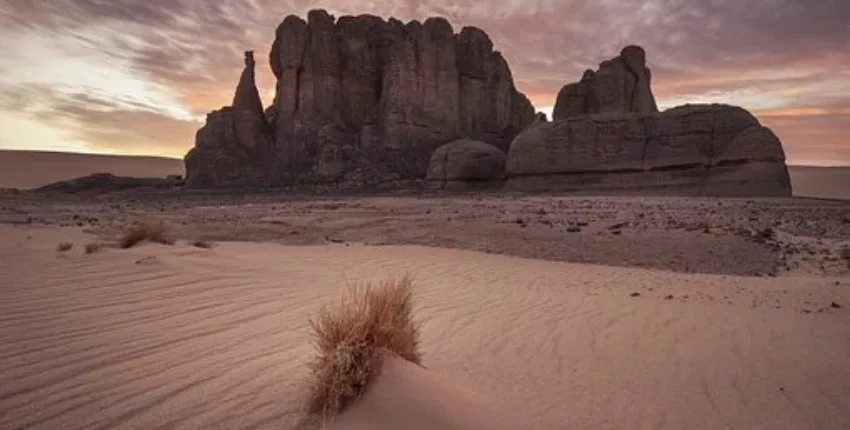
(177, 337)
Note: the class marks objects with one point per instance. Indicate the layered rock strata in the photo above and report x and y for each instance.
(691, 149)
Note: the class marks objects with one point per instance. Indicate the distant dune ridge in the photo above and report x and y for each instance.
(33, 169)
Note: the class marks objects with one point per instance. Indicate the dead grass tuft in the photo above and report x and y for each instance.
(352, 338)
(155, 232)
(203, 244)
(64, 247)
(93, 247)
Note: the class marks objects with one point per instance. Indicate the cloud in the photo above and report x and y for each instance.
(173, 60)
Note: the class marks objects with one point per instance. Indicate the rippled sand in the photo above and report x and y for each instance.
(182, 337)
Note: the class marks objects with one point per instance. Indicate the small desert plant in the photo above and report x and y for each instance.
(64, 247)
(202, 244)
(93, 247)
(352, 339)
(155, 232)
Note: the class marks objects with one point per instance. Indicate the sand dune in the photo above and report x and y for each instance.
(407, 396)
(32, 169)
(181, 337)
(821, 182)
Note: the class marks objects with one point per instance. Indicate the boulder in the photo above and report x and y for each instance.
(466, 163)
(692, 149)
(621, 85)
(362, 97)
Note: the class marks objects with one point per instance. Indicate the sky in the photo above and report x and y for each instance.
(138, 76)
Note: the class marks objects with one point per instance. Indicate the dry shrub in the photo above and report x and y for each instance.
(155, 232)
(202, 244)
(64, 247)
(352, 338)
(91, 248)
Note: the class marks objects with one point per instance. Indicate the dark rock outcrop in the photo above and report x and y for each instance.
(691, 149)
(466, 164)
(234, 146)
(359, 94)
(621, 85)
(107, 182)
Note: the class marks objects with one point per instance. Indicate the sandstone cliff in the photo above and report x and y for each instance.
(359, 97)
(691, 149)
(621, 85)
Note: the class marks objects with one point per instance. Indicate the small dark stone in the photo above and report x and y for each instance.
(616, 232)
(668, 297)
(781, 388)
(805, 311)
(618, 226)
(835, 305)
(582, 223)
(635, 294)
(573, 229)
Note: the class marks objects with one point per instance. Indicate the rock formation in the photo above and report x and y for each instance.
(359, 97)
(607, 135)
(691, 149)
(621, 85)
(466, 164)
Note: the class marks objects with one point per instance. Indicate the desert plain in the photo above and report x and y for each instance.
(536, 311)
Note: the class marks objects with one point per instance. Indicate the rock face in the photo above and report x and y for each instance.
(359, 94)
(621, 85)
(691, 149)
(466, 164)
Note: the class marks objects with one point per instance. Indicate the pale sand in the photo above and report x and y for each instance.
(32, 169)
(181, 337)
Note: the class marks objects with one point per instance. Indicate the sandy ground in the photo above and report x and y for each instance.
(32, 169)
(753, 237)
(183, 337)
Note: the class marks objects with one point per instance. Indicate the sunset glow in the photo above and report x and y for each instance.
(137, 77)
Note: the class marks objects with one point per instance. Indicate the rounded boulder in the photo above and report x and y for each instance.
(466, 162)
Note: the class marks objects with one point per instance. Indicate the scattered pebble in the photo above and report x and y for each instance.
(668, 297)
(835, 305)
(635, 294)
(573, 229)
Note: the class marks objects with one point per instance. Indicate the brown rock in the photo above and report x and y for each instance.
(621, 85)
(232, 140)
(465, 163)
(363, 96)
(693, 149)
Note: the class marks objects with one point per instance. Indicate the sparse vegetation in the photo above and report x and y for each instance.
(352, 339)
(155, 232)
(93, 247)
(202, 244)
(64, 247)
